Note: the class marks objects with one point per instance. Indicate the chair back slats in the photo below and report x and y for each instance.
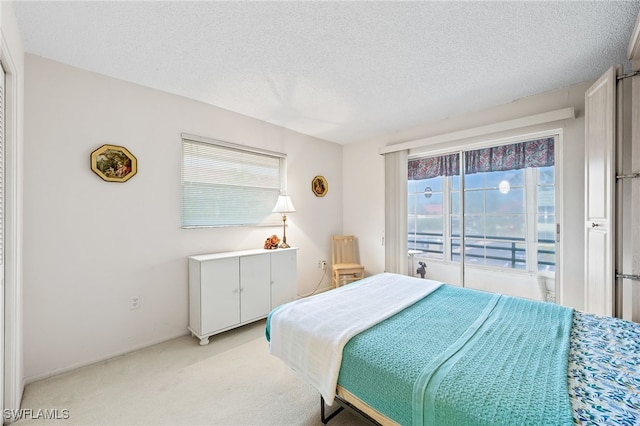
(345, 264)
(343, 249)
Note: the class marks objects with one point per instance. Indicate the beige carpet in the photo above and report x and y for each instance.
(231, 381)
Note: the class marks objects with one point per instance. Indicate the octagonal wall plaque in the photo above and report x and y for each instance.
(319, 186)
(114, 163)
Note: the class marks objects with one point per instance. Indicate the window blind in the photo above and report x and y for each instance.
(396, 244)
(226, 185)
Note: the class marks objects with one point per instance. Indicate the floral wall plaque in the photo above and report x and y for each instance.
(114, 163)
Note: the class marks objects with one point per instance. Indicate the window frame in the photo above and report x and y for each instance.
(444, 190)
(486, 239)
(530, 185)
(270, 218)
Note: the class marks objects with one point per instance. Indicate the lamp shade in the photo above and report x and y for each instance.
(284, 205)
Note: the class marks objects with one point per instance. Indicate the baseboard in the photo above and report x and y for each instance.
(59, 371)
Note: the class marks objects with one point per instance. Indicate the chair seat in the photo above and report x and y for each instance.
(345, 273)
(344, 266)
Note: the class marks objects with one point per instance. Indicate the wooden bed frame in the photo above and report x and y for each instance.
(348, 400)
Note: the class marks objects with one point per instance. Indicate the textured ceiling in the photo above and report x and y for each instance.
(342, 71)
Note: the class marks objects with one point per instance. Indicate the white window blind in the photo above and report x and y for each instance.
(396, 245)
(229, 185)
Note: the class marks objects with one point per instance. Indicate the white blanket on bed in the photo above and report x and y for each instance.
(310, 334)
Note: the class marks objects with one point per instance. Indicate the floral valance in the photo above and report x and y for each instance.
(427, 168)
(534, 153)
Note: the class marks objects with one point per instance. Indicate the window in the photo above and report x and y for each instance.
(495, 219)
(546, 218)
(426, 216)
(508, 194)
(229, 185)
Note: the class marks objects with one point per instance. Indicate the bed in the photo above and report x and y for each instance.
(405, 350)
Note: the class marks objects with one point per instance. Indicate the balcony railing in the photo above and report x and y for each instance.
(504, 251)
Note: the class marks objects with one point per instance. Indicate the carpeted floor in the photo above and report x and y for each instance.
(231, 381)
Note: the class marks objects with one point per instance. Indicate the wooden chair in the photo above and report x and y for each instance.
(345, 266)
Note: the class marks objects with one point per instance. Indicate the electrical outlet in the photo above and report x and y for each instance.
(134, 303)
(322, 264)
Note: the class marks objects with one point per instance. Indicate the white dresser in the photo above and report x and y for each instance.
(227, 290)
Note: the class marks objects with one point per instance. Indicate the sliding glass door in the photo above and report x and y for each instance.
(490, 222)
(495, 220)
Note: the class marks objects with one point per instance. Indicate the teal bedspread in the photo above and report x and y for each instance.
(464, 357)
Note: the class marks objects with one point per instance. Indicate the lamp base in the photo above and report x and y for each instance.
(284, 245)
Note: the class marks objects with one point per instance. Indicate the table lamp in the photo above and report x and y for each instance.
(284, 206)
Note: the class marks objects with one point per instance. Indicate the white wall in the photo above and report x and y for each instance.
(91, 245)
(364, 188)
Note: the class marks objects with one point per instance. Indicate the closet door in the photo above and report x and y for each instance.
(600, 109)
(628, 200)
(2, 238)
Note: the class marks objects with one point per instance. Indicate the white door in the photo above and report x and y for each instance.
(628, 200)
(2, 230)
(600, 119)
